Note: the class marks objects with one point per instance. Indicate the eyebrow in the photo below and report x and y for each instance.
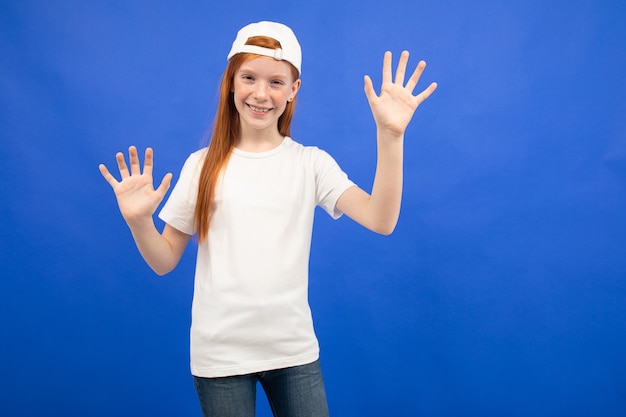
(249, 70)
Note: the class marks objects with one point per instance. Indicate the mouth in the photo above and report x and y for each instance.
(258, 109)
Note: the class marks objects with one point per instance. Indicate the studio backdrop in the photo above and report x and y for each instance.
(502, 291)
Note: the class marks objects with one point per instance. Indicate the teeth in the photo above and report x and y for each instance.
(259, 110)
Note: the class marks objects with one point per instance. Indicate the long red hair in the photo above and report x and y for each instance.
(226, 131)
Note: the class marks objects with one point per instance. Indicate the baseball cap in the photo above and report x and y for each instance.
(290, 48)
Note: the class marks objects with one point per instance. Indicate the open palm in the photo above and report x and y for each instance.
(394, 107)
(136, 196)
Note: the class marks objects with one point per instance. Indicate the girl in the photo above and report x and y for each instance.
(250, 198)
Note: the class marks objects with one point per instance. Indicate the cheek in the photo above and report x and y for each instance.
(238, 99)
(236, 91)
(240, 89)
(282, 96)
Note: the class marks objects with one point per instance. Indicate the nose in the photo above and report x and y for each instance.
(260, 90)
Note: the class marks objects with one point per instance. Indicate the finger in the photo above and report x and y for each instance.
(415, 77)
(135, 168)
(426, 93)
(165, 185)
(121, 164)
(148, 162)
(387, 67)
(107, 175)
(369, 88)
(400, 72)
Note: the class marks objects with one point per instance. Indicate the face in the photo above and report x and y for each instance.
(261, 88)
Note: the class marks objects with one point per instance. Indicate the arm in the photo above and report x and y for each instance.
(138, 200)
(392, 111)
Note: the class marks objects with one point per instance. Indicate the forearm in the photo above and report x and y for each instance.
(386, 196)
(161, 254)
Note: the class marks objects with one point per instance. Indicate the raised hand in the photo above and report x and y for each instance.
(135, 193)
(396, 104)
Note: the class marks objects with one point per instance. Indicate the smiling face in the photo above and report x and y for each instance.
(261, 89)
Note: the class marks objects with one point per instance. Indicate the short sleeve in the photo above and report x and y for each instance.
(331, 182)
(179, 210)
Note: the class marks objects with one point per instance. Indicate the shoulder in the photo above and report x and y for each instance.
(196, 158)
(193, 163)
(309, 151)
(198, 155)
(314, 159)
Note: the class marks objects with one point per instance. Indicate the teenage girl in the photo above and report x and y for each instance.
(249, 197)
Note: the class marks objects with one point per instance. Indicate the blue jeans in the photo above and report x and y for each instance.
(291, 392)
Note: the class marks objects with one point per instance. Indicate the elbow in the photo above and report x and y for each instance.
(385, 231)
(162, 270)
(385, 228)
(384, 222)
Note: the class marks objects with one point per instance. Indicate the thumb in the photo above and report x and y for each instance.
(369, 88)
(165, 185)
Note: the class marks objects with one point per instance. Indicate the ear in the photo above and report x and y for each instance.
(295, 87)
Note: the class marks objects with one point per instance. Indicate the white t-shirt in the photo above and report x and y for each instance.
(250, 308)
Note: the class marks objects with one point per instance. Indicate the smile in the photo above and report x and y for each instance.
(258, 109)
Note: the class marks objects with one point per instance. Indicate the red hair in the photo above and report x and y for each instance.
(226, 131)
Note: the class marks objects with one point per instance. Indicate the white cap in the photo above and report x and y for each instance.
(290, 48)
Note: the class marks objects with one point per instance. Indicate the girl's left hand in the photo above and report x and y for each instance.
(396, 104)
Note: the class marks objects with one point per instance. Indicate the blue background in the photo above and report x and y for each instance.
(502, 291)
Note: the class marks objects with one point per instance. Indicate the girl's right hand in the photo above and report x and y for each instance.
(135, 193)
